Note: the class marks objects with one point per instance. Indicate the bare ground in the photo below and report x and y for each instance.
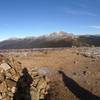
(73, 76)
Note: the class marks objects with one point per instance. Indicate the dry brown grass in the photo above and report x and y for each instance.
(66, 59)
(71, 63)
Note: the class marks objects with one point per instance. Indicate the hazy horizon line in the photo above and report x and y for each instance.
(37, 36)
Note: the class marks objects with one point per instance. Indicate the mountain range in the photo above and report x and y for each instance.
(55, 39)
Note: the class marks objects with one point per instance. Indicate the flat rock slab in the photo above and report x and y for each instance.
(5, 66)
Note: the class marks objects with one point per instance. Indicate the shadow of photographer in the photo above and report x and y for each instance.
(77, 90)
(23, 86)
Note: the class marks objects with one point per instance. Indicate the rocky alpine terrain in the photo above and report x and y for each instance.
(50, 74)
(17, 83)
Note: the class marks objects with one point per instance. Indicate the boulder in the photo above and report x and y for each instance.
(5, 66)
(3, 87)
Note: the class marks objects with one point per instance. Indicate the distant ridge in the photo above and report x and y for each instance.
(55, 39)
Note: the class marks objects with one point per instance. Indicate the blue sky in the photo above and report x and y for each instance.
(21, 18)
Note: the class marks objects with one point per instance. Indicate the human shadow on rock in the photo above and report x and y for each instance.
(23, 86)
(77, 90)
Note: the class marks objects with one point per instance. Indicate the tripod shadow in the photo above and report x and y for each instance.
(23, 86)
(77, 90)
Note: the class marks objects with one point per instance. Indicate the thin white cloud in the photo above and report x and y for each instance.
(79, 12)
(95, 26)
(81, 5)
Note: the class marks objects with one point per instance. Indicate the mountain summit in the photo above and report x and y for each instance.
(55, 39)
(59, 35)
